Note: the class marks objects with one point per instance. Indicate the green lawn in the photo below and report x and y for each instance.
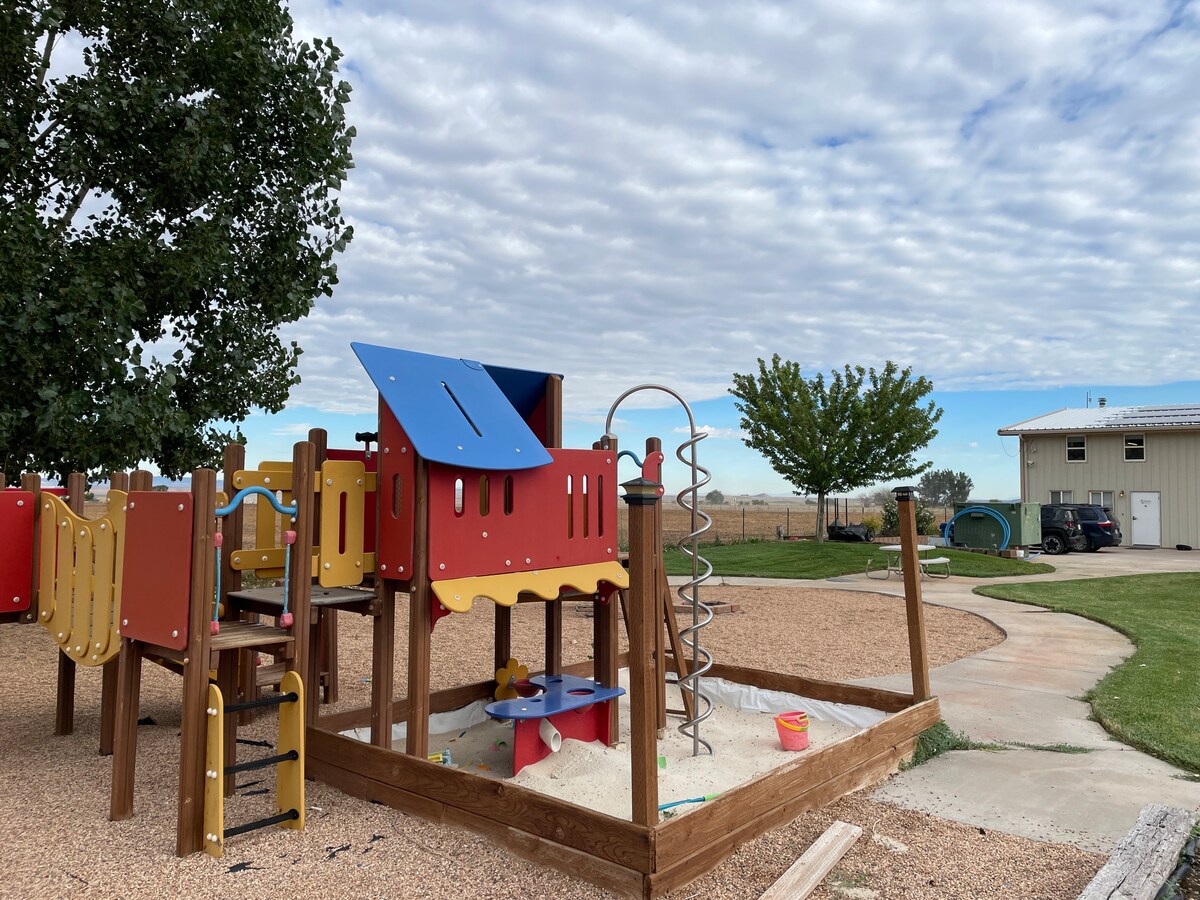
(1152, 700)
(808, 559)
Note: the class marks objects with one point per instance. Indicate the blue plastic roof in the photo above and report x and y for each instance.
(453, 410)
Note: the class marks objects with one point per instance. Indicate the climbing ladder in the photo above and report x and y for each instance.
(289, 774)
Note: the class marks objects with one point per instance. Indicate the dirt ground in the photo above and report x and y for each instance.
(58, 842)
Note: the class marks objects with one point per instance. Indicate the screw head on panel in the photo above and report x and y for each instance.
(175, 633)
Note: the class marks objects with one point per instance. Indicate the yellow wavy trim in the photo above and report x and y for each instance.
(457, 594)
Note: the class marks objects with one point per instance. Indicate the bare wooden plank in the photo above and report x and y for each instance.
(108, 699)
(616, 840)
(443, 701)
(420, 622)
(554, 613)
(679, 837)
(806, 874)
(834, 692)
(304, 654)
(1145, 857)
(383, 675)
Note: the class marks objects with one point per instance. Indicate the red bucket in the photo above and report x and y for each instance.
(793, 730)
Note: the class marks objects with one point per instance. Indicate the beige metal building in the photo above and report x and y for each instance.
(1143, 462)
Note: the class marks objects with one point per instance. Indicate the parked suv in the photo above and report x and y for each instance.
(1061, 529)
(1099, 524)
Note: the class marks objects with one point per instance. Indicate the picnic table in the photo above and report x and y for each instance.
(893, 562)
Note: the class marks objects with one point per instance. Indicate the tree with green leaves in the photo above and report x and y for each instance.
(715, 497)
(858, 428)
(945, 487)
(168, 186)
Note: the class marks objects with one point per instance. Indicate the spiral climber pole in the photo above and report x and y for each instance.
(689, 592)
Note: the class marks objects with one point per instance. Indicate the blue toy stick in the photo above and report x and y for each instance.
(689, 800)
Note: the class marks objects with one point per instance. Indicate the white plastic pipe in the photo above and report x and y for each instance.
(550, 736)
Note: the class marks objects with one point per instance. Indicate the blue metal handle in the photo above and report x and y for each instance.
(245, 492)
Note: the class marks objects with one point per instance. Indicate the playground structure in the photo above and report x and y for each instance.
(469, 496)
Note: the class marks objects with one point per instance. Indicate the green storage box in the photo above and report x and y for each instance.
(978, 529)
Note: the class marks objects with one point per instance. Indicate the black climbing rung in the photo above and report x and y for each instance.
(261, 823)
(252, 764)
(289, 697)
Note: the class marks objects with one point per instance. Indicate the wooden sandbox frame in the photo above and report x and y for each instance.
(643, 859)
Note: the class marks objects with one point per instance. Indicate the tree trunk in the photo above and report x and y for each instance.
(819, 537)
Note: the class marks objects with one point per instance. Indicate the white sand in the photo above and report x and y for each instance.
(745, 745)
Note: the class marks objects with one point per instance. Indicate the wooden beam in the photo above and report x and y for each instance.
(365, 769)
(420, 623)
(707, 825)
(383, 665)
(554, 613)
(918, 655)
(806, 874)
(125, 716)
(304, 656)
(194, 723)
(1145, 858)
(64, 707)
(643, 598)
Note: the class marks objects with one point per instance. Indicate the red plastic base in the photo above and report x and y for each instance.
(589, 723)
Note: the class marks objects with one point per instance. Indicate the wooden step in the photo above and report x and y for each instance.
(236, 635)
(269, 676)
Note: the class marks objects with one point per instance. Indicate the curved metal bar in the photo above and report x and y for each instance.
(689, 592)
(245, 492)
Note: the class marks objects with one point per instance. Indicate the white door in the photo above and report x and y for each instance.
(1143, 509)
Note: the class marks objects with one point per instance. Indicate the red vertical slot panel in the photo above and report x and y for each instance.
(397, 479)
(16, 550)
(156, 586)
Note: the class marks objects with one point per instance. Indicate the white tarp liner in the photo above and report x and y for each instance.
(751, 699)
(439, 723)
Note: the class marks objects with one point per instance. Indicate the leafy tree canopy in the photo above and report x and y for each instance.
(945, 487)
(857, 428)
(168, 178)
(715, 497)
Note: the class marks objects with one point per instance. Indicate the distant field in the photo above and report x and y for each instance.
(731, 523)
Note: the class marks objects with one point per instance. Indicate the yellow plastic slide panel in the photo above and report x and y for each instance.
(77, 590)
(214, 775)
(289, 775)
(343, 509)
(457, 594)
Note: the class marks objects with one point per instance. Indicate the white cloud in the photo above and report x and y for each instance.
(295, 429)
(714, 432)
(661, 193)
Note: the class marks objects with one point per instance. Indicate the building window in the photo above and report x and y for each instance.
(1076, 448)
(1061, 497)
(1101, 498)
(1135, 448)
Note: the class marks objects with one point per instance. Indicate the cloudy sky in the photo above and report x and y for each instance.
(1002, 196)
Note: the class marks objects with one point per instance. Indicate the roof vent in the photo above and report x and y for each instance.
(1103, 402)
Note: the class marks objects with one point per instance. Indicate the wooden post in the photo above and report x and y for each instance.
(554, 620)
(642, 497)
(325, 619)
(420, 622)
(604, 629)
(64, 711)
(194, 726)
(910, 562)
(118, 481)
(129, 681)
(383, 651)
(304, 656)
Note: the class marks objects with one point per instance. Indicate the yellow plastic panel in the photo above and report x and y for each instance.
(289, 775)
(274, 476)
(117, 503)
(457, 594)
(214, 775)
(343, 489)
(259, 560)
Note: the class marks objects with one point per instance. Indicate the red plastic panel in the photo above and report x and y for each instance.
(16, 550)
(397, 480)
(591, 723)
(370, 464)
(486, 523)
(156, 591)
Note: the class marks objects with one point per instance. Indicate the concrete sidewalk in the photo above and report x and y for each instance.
(1025, 690)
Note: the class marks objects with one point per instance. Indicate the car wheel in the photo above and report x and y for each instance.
(1054, 544)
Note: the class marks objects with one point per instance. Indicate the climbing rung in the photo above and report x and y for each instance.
(288, 816)
(289, 777)
(265, 762)
(290, 697)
